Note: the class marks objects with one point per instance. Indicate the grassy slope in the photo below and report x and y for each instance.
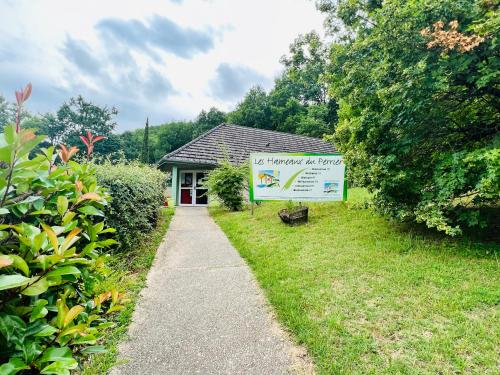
(371, 297)
(127, 272)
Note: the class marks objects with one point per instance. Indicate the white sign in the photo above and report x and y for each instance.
(297, 177)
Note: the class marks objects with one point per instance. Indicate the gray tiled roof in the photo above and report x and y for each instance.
(238, 142)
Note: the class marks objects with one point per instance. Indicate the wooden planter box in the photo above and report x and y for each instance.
(298, 215)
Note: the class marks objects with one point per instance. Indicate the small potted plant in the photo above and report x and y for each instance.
(293, 214)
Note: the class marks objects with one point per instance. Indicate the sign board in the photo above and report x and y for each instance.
(297, 177)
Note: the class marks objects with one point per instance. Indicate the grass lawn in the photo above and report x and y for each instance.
(367, 296)
(127, 272)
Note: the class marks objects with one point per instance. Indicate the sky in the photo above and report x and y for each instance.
(166, 59)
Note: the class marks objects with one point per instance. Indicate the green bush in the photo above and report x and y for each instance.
(137, 193)
(227, 183)
(418, 87)
(52, 230)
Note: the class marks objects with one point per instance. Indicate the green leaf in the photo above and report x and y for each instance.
(84, 261)
(3, 235)
(13, 281)
(88, 249)
(38, 287)
(12, 328)
(41, 212)
(68, 216)
(114, 309)
(27, 146)
(88, 339)
(108, 230)
(46, 330)
(106, 325)
(98, 227)
(60, 367)
(66, 270)
(106, 243)
(39, 310)
(94, 349)
(10, 133)
(22, 207)
(5, 154)
(62, 308)
(62, 204)
(19, 263)
(4, 211)
(38, 204)
(53, 354)
(79, 328)
(48, 260)
(52, 237)
(55, 280)
(13, 366)
(90, 210)
(31, 350)
(72, 314)
(38, 241)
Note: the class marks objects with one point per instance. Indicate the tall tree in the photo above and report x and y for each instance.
(347, 19)
(75, 118)
(132, 143)
(419, 95)
(174, 135)
(162, 139)
(254, 110)
(5, 112)
(299, 100)
(8, 113)
(79, 115)
(208, 120)
(145, 143)
(305, 67)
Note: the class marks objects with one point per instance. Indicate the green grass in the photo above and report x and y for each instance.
(127, 272)
(367, 296)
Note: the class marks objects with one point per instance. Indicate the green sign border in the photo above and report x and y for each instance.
(250, 177)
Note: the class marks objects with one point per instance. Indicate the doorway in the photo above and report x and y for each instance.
(192, 192)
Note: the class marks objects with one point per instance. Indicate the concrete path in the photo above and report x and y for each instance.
(202, 312)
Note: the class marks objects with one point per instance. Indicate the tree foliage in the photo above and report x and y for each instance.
(74, 118)
(6, 115)
(254, 110)
(145, 144)
(208, 120)
(167, 137)
(419, 112)
(299, 101)
(162, 139)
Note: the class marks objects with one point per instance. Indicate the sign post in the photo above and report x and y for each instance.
(297, 177)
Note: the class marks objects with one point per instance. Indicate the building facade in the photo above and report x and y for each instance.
(190, 163)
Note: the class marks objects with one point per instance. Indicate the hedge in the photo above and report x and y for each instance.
(137, 193)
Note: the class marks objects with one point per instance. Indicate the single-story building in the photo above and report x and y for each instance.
(190, 163)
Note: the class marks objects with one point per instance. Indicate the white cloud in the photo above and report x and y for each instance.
(187, 55)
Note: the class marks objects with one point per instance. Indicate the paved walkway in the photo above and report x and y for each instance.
(202, 312)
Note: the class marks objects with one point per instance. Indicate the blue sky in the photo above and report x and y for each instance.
(166, 59)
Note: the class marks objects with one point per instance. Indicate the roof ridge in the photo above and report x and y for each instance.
(176, 151)
(277, 131)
